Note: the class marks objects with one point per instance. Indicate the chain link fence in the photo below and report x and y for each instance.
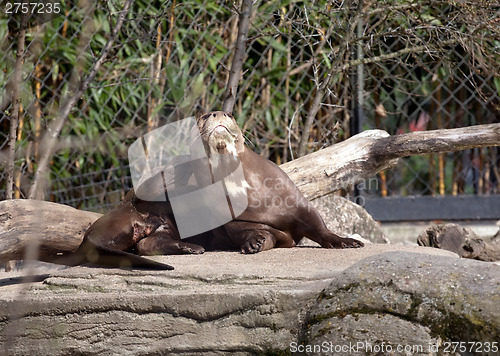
(316, 72)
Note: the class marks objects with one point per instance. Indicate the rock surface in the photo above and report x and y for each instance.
(223, 302)
(414, 304)
(346, 218)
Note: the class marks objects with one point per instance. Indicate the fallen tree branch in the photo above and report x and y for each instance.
(362, 156)
(54, 228)
(339, 166)
(444, 140)
(461, 240)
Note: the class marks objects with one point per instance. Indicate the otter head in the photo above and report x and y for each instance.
(220, 133)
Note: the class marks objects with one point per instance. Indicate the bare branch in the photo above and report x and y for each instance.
(239, 56)
(392, 55)
(444, 140)
(321, 89)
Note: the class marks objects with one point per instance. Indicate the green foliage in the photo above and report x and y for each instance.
(293, 46)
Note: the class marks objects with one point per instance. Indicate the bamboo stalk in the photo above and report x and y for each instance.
(288, 65)
(155, 80)
(17, 172)
(457, 179)
(16, 105)
(482, 182)
(171, 32)
(38, 110)
(439, 117)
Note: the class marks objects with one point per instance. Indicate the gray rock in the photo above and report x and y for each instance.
(218, 303)
(417, 301)
(346, 218)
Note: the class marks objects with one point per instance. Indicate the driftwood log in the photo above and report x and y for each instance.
(53, 229)
(38, 230)
(364, 155)
(461, 240)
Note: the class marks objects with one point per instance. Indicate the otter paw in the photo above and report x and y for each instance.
(191, 249)
(253, 245)
(343, 242)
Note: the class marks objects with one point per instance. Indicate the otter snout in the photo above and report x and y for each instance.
(221, 140)
(221, 130)
(220, 133)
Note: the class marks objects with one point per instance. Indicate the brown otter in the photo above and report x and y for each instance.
(111, 238)
(277, 214)
(134, 227)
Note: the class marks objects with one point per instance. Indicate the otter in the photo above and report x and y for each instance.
(277, 215)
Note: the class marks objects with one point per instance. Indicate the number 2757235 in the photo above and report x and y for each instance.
(32, 8)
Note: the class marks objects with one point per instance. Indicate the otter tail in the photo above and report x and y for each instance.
(88, 253)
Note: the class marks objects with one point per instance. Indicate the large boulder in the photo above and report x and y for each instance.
(408, 303)
(223, 303)
(346, 218)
